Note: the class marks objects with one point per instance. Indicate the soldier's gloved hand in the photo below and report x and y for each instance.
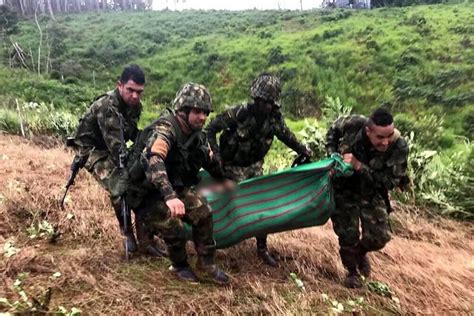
(307, 152)
(176, 207)
(121, 185)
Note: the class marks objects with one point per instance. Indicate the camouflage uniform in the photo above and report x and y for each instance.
(246, 138)
(98, 139)
(247, 135)
(172, 156)
(363, 197)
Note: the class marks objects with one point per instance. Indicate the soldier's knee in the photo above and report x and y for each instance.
(374, 243)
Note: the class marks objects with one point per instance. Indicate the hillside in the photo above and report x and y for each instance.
(427, 266)
(415, 59)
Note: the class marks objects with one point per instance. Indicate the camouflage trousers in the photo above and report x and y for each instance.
(156, 215)
(239, 173)
(354, 214)
(110, 178)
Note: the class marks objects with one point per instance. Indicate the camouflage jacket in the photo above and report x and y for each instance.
(173, 156)
(98, 133)
(246, 136)
(381, 171)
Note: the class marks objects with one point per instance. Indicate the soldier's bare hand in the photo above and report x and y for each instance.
(351, 159)
(176, 207)
(229, 185)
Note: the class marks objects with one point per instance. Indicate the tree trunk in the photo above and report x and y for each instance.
(50, 9)
(22, 9)
(57, 6)
(40, 40)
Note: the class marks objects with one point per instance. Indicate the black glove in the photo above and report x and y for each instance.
(119, 185)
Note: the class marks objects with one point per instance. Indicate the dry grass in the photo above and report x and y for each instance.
(428, 265)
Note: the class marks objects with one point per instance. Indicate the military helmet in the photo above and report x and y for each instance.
(266, 87)
(193, 96)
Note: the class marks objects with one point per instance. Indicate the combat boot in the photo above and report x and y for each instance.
(353, 280)
(146, 243)
(264, 254)
(211, 272)
(364, 266)
(267, 257)
(184, 273)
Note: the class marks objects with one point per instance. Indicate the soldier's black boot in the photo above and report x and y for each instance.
(146, 244)
(263, 253)
(353, 279)
(184, 272)
(364, 266)
(208, 270)
(350, 259)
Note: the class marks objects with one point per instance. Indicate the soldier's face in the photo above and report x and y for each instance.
(265, 106)
(197, 118)
(380, 137)
(130, 92)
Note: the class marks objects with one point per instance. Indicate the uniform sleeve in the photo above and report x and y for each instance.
(108, 119)
(213, 165)
(334, 134)
(156, 152)
(283, 133)
(219, 123)
(396, 168)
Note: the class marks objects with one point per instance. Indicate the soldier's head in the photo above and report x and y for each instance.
(380, 129)
(131, 84)
(194, 103)
(265, 91)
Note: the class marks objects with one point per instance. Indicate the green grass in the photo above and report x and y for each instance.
(413, 58)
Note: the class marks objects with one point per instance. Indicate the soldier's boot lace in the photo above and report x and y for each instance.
(212, 272)
(364, 266)
(184, 273)
(353, 279)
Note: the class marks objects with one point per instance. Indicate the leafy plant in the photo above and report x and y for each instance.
(42, 229)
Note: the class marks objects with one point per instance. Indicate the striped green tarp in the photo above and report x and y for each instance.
(290, 199)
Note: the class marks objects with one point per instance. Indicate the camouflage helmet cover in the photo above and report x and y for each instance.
(266, 87)
(193, 95)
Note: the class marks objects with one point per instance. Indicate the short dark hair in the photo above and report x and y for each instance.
(381, 117)
(133, 72)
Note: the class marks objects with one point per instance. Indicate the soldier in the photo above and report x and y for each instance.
(170, 153)
(99, 139)
(378, 155)
(247, 134)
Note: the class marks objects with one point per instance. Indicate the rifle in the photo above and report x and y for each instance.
(125, 212)
(77, 163)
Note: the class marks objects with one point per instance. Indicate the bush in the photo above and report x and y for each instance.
(427, 128)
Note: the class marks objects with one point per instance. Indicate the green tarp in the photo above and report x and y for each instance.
(290, 199)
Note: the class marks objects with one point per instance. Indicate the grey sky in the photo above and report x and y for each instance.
(235, 4)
